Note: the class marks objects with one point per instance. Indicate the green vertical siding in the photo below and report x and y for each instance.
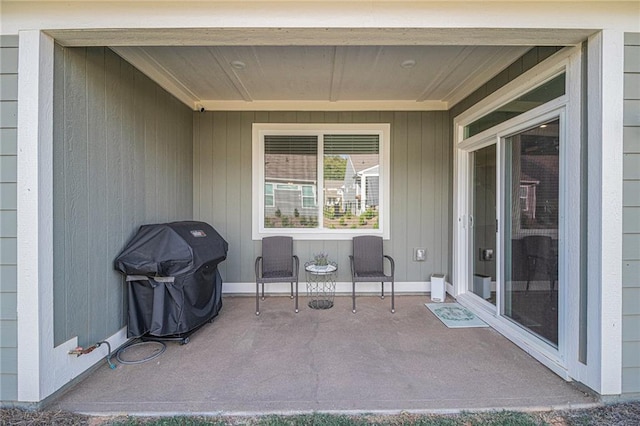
(8, 217)
(122, 158)
(631, 218)
(420, 186)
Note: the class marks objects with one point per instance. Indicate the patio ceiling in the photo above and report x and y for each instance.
(310, 77)
(293, 68)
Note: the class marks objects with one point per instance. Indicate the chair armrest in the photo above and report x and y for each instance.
(257, 266)
(296, 266)
(393, 264)
(353, 272)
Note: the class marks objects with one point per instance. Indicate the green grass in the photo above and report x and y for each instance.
(507, 418)
(169, 421)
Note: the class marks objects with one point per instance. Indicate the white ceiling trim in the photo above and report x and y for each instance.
(323, 106)
(152, 69)
(320, 36)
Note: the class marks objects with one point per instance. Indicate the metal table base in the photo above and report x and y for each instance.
(321, 285)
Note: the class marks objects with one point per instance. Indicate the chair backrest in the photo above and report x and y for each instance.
(277, 255)
(367, 254)
(538, 246)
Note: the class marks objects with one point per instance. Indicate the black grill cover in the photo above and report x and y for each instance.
(173, 281)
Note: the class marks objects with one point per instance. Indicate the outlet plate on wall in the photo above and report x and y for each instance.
(419, 254)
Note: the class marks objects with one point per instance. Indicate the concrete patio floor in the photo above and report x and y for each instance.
(327, 360)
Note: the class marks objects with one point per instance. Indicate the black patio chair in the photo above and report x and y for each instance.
(541, 259)
(367, 265)
(276, 265)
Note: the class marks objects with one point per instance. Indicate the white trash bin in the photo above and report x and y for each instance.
(438, 288)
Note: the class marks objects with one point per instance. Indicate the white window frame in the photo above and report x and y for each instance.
(524, 201)
(259, 231)
(313, 196)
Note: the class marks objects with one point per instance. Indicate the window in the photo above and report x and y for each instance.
(268, 195)
(524, 195)
(540, 95)
(308, 196)
(319, 181)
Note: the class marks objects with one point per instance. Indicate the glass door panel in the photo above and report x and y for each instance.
(531, 195)
(483, 231)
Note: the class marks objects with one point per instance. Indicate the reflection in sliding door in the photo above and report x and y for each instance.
(483, 231)
(531, 229)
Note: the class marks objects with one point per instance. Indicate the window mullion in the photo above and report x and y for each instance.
(320, 183)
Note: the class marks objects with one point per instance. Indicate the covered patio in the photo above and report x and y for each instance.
(327, 361)
(119, 114)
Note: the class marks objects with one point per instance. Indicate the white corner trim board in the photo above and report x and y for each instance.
(43, 368)
(35, 208)
(605, 142)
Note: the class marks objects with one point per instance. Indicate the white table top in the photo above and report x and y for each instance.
(321, 270)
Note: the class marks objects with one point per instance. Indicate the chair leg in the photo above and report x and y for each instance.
(292, 290)
(262, 291)
(258, 299)
(393, 300)
(382, 286)
(530, 271)
(353, 296)
(296, 296)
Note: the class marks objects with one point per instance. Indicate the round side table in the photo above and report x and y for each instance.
(321, 284)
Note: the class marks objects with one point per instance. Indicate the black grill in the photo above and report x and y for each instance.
(173, 282)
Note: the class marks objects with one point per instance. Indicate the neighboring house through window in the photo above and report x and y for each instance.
(316, 181)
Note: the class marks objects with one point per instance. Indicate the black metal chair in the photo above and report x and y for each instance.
(541, 259)
(276, 265)
(367, 265)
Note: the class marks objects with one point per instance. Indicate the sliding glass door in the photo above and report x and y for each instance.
(514, 202)
(531, 203)
(483, 224)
